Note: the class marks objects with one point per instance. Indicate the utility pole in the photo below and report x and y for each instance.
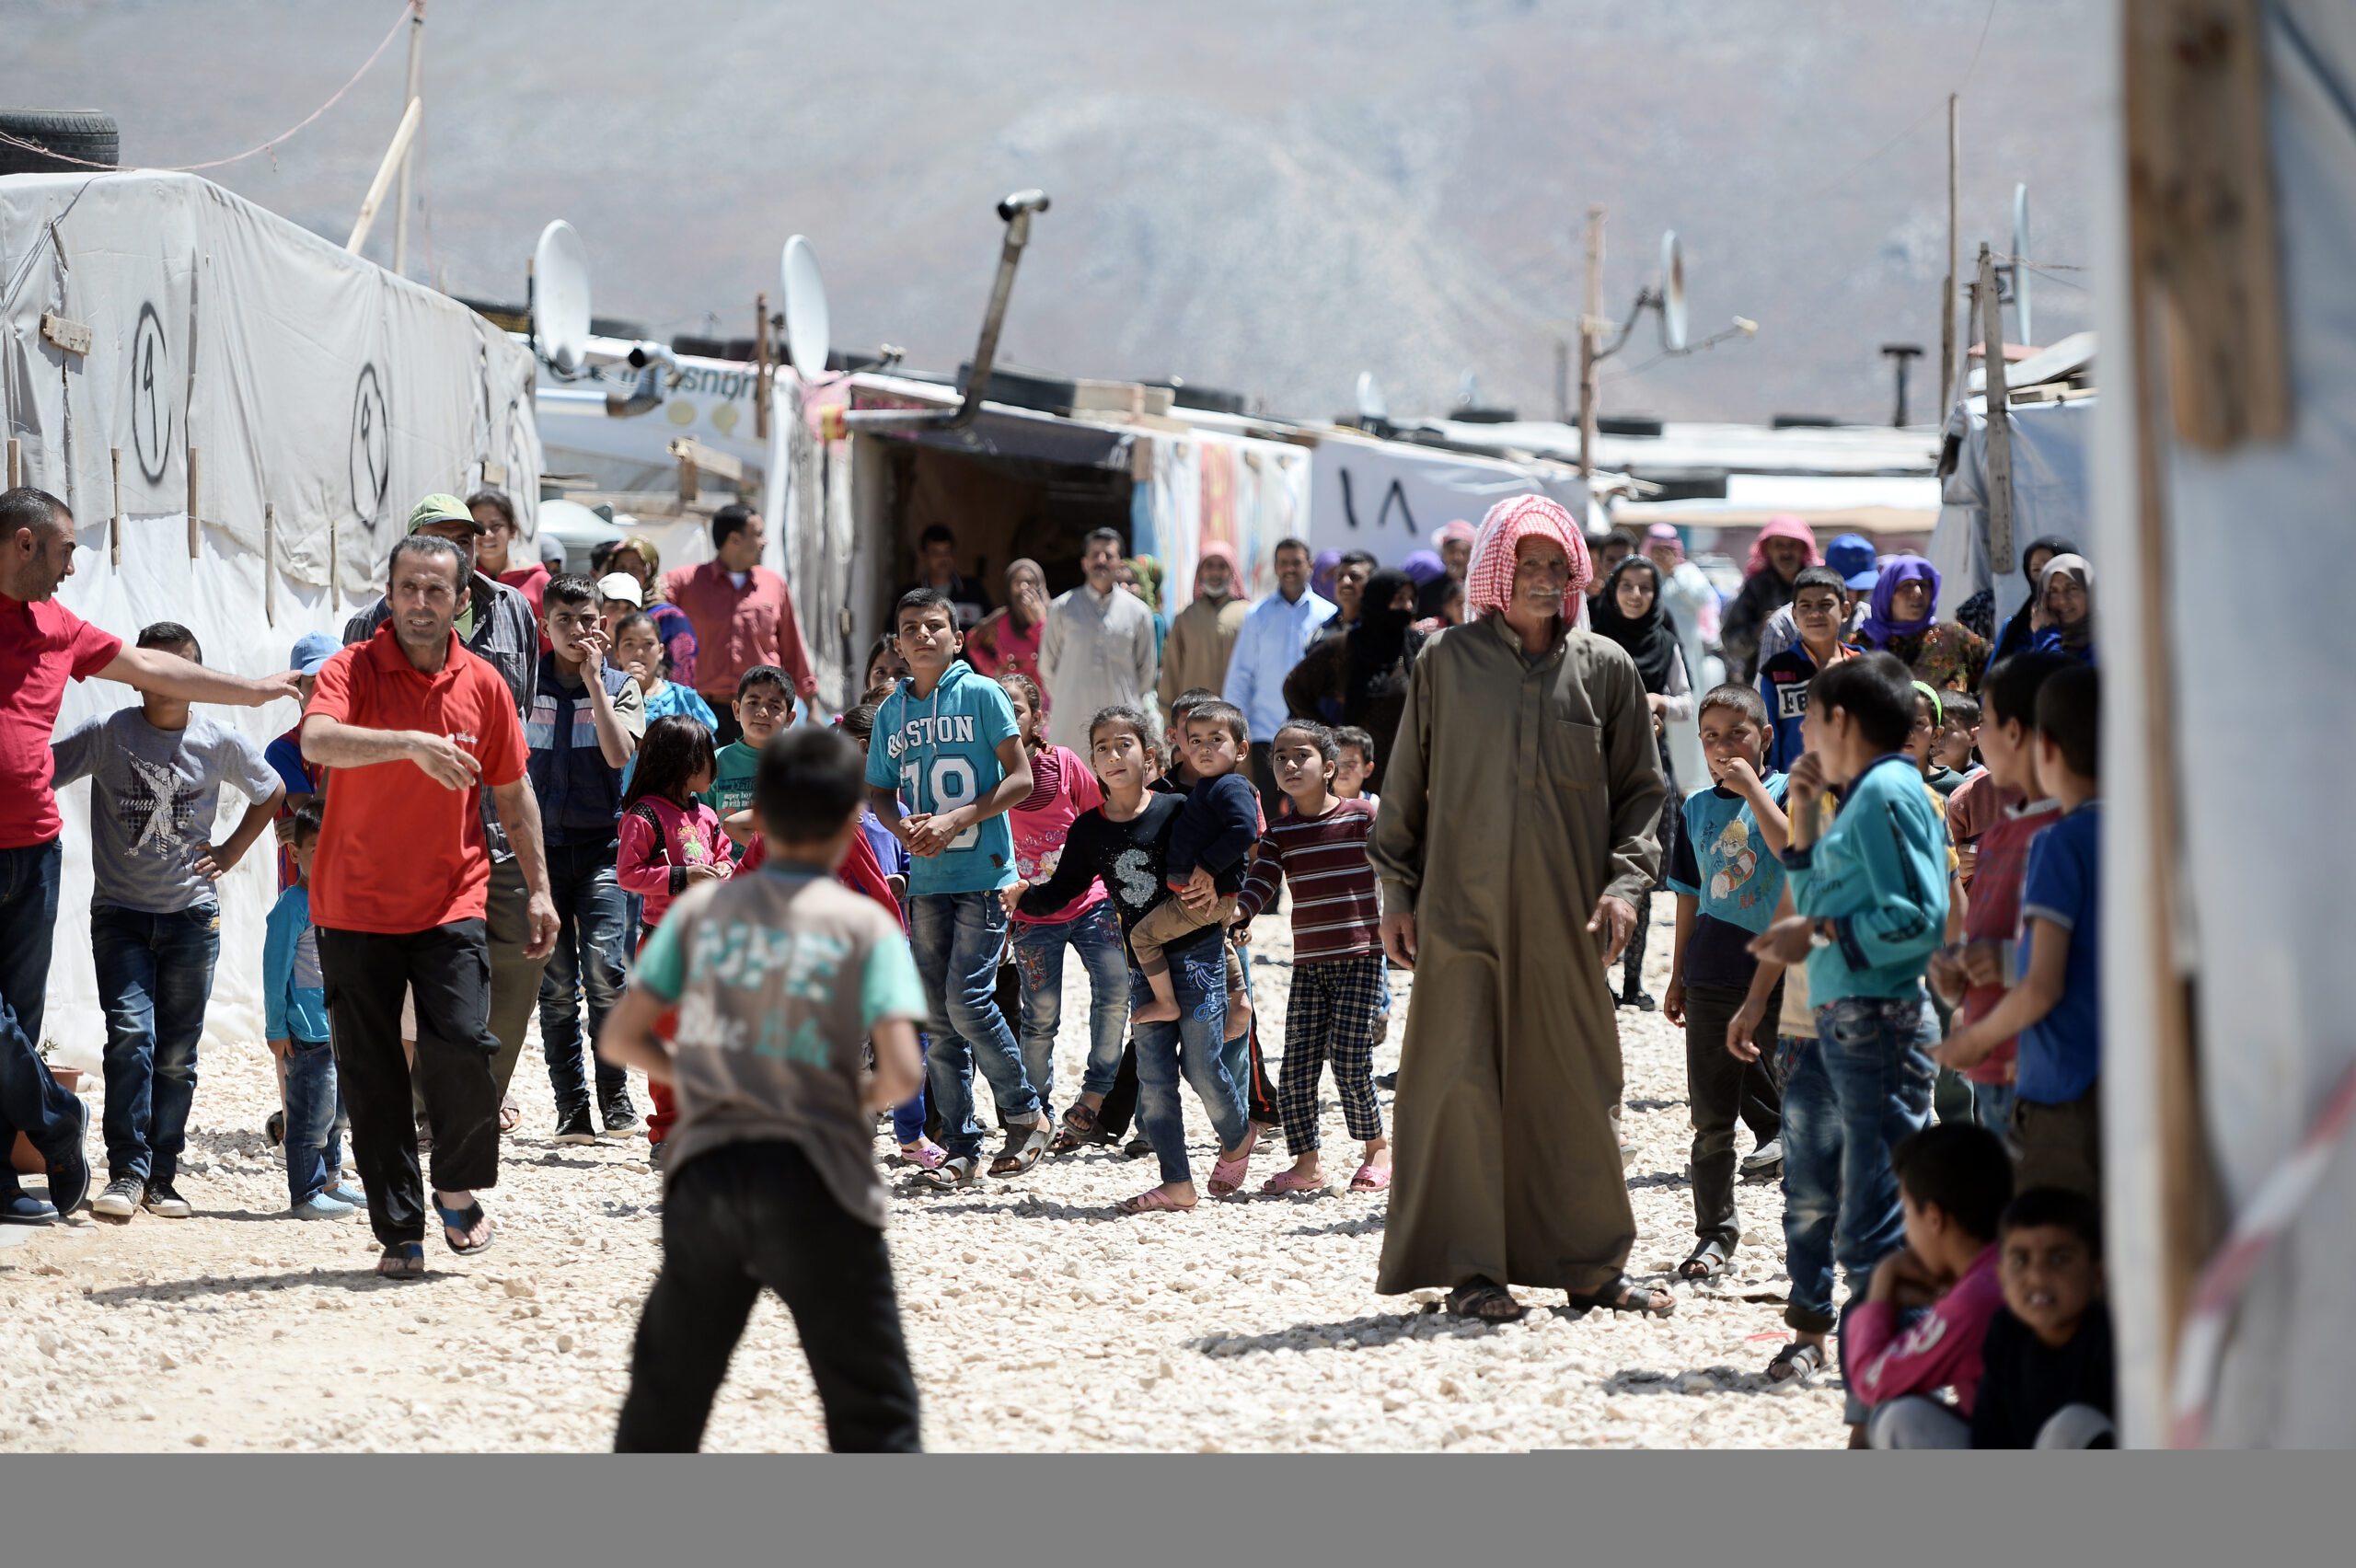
(1947, 285)
(1589, 326)
(1561, 379)
(400, 214)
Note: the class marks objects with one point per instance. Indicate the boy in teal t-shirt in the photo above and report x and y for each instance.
(943, 767)
(764, 702)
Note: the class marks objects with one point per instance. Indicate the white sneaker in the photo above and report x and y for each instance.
(121, 1200)
(1764, 1161)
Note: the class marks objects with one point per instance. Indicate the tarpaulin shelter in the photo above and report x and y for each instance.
(169, 348)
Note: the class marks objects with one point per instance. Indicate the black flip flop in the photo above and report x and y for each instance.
(462, 1221)
(1623, 1295)
(1476, 1302)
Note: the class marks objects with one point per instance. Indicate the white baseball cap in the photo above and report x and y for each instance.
(623, 586)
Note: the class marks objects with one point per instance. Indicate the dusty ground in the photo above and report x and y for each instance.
(1037, 1319)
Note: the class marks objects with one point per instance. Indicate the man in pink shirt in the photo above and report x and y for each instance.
(742, 614)
(42, 645)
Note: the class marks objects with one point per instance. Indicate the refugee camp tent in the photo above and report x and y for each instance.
(2052, 452)
(297, 398)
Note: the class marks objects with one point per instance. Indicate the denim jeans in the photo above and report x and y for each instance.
(1039, 955)
(590, 957)
(313, 1111)
(1991, 1106)
(30, 1100)
(1191, 1046)
(154, 976)
(956, 938)
(1856, 1090)
(907, 1117)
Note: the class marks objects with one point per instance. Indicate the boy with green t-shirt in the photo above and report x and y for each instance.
(778, 976)
(764, 703)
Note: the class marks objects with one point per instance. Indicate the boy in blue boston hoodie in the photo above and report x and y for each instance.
(1871, 891)
(943, 768)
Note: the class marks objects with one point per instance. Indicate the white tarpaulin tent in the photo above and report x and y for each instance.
(324, 396)
(2053, 450)
(1389, 497)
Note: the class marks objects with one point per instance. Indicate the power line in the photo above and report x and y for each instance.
(1913, 125)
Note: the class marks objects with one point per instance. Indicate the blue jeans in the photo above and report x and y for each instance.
(1039, 957)
(956, 938)
(1991, 1106)
(155, 977)
(313, 1111)
(1191, 1046)
(591, 927)
(907, 1117)
(1857, 1089)
(30, 1102)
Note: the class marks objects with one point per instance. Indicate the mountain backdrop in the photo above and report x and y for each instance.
(1263, 197)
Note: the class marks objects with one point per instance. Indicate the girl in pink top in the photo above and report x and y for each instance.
(670, 841)
(1061, 788)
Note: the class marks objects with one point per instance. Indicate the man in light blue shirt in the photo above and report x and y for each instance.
(1275, 636)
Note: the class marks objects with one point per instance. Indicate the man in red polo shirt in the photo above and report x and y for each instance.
(742, 614)
(415, 726)
(42, 645)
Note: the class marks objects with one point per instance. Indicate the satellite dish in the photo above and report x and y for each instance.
(809, 331)
(2020, 267)
(1672, 294)
(1372, 410)
(560, 297)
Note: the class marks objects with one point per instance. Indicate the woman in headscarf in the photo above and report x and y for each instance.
(638, 556)
(1629, 611)
(1360, 677)
(1322, 571)
(1944, 655)
(2066, 601)
(2020, 634)
(1783, 547)
(1006, 642)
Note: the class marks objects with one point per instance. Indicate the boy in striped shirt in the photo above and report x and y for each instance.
(1335, 1011)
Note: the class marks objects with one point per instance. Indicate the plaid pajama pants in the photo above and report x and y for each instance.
(1335, 1016)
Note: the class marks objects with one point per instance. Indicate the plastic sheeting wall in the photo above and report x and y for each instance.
(1389, 497)
(1211, 487)
(2053, 451)
(314, 384)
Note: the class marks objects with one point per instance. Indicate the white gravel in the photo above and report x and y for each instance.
(1037, 1319)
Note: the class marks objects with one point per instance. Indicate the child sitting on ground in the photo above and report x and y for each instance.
(2046, 1378)
(1214, 833)
(1354, 774)
(772, 1182)
(1954, 1181)
(1728, 878)
(2055, 1005)
(1334, 1014)
(294, 1022)
(764, 705)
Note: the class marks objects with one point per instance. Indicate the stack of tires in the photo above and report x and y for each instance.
(61, 140)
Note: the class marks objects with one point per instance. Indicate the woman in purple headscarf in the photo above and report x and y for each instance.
(1322, 571)
(1429, 574)
(1946, 655)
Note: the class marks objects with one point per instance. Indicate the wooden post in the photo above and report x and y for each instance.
(400, 215)
(385, 172)
(1947, 368)
(15, 462)
(269, 562)
(1991, 305)
(192, 505)
(1589, 326)
(335, 567)
(761, 352)
(114, 518)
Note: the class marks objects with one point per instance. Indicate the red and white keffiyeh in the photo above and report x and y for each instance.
(1488, 581)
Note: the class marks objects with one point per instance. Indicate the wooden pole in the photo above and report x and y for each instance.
(400, 216)
(269, 562)
(761, 350)
(1561, 379)
(114, 519)
(193, 507)
(15, 462)
(385, 172)
(1947, 367)
(1989, 303)
(335, 568)
(1589, 326)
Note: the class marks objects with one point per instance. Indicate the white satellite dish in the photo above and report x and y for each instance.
(1672, 294)
(809, 330)
(560, 297)
(1372, 410)
(2020, 265)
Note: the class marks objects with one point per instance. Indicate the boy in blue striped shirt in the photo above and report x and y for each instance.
(295, 1021)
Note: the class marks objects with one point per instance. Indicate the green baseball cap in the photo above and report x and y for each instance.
(439, 508)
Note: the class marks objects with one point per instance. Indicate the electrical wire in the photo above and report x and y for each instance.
(1913, 125)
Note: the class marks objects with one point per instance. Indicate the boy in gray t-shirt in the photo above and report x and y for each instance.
(777, 976)
(156, 776)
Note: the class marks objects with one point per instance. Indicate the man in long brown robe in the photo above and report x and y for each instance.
(1519, 826)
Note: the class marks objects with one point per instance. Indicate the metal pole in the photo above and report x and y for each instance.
(1947, 288)
(1588, 327)
(400, 217)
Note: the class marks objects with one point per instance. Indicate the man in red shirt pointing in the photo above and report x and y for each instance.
(43, 645)
(415, 726)
(742, 614)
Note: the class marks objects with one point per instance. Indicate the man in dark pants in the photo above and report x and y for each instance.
(497, 625)
(43, 645)
(416, 727)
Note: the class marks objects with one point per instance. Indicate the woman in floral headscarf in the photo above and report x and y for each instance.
(1142, 575)
(1946, 655)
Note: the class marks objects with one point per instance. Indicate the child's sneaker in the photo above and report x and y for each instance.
(346, 1192)
(621, 1117)
(321, 1205)
(163, 1201)
(121, 1198)
(575, 1126)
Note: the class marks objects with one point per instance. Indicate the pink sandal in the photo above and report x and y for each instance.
(1371, 1178)
(1291, 1180)
(1152, 1200)
(924, 1154)
(1228, 1174)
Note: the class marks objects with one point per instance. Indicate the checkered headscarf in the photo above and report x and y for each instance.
(1488, 581)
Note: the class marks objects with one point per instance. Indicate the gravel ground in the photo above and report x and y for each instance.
(1037, 1319)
